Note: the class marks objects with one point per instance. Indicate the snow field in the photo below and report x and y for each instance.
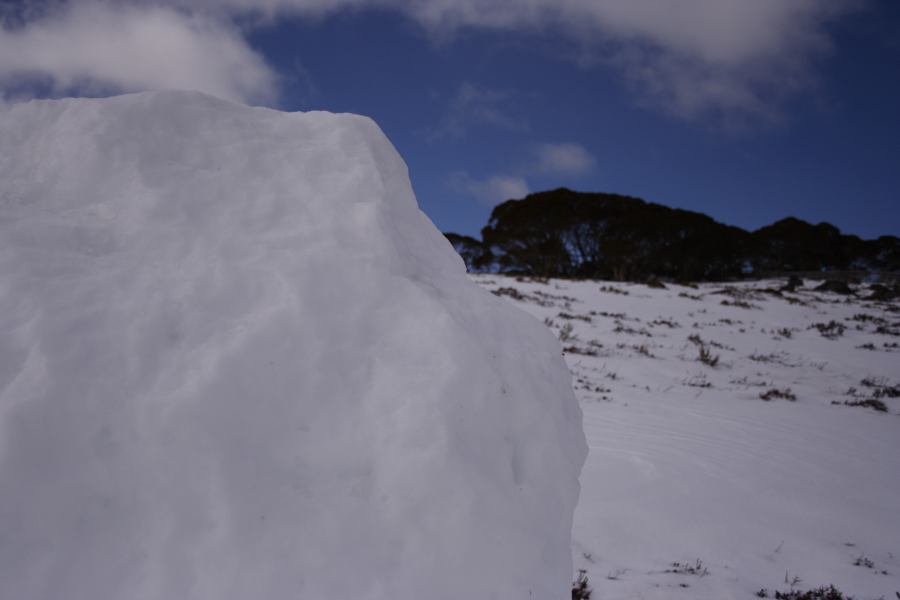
(688, 463)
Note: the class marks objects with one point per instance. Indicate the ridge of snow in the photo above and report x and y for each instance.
(238, 362)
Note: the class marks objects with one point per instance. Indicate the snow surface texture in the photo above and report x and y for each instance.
(687, 462)
(236, 361)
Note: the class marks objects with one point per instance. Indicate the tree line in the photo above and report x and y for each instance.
(563, 233)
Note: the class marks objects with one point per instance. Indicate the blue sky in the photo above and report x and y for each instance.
(744, 110)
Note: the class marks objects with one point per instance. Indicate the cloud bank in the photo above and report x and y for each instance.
(491, 190)
(92, 45)
(476, 106)
(691, 58)
(566, 158)
(735, 59)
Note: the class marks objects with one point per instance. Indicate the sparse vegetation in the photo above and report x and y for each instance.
(739, 293)
(747, 382)
(566, 333)
(578, 350)
(737, 304)
(823, 593)
(569, 317)
(873, 403)
(534, 279)
(831, 330)
(608, 289)
(515, 294)
(637, 348)
(864, 561)
(703, 353)
(796, 301)
(707, 357)
(775, 358)
(881, 388)
(885, 330)
(622, 328)
(665, 322)
(509, 291)
(778, 394)
(699, 381)
(580, 588)
(689, 296)
(609, 315)
(642, 349)
(865, 318)
(696, 568)
(557, 297)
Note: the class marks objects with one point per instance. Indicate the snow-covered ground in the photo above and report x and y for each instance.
(695, 486)
(236, 361)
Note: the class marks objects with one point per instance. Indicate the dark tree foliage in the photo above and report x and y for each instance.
(794, 245)
(564, 233)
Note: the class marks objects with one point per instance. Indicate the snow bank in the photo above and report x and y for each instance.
(236, 361)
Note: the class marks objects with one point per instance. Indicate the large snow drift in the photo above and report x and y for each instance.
(236, 361)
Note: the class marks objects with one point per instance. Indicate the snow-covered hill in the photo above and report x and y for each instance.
(753, 470)
(237, 362)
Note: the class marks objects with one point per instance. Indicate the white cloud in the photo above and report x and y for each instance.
(475, 106)
(492, 190)
(566, 158)
(691, 58)
(729, 59)
(717, 31)
(128, 48)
